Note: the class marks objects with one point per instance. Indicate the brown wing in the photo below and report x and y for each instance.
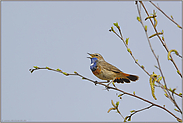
(109, 67)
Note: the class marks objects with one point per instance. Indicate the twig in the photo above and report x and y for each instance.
(131, 52)
(169, 95)
(141, 110)
(164, 44)
(109, 87)
(161, 86)
(165, 14)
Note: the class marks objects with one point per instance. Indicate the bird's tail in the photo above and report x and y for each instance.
(131, 77)
(127, 78)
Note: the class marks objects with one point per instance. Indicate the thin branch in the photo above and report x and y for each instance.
(169, 95)
(164, 44)
(120, 113)
(165, 14)
(159, 67)
(131, 52)
(141, 110)
(109, 87)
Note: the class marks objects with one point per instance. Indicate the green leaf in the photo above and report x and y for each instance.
(178, 71)
(117, 103)
(120, 95)
(138, 18)
(175, 109)
(65, 73)
(58, 69)
(112, 29)
(127, 40)
(36, 67)
(160, 78)
(178, 26)
(145, 27)
(132, 111)
(47, 67)
(116, 24)
(171, 17)
(166, 95)
(128, 49)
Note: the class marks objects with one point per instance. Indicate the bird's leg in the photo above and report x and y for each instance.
(110, 83)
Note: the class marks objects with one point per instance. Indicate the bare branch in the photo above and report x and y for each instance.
(136, 111)
(163, 42)
(159, 67)
(165, 14)
(109, 87)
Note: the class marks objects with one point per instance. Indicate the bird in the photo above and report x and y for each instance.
(105, 71)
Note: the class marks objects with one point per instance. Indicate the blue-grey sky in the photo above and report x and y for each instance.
(59, 35)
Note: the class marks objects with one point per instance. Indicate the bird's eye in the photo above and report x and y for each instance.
(96, 55)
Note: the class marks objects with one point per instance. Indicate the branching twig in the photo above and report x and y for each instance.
(128, 48)
(166, 88)
(163, 42)
(109, 87)
(134, 112)
(131, 52)
(165, 14)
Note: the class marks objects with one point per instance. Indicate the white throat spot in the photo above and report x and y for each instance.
(92, 64)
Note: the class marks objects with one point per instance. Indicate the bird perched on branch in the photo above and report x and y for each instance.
(106, 71)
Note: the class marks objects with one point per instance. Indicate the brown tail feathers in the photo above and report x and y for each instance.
(130, 77)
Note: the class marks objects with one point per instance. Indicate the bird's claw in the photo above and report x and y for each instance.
(96, 82)
(107, 87)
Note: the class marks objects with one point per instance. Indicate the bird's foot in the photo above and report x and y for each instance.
(96, 82)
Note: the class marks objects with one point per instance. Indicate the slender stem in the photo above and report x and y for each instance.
(109, 87)
(165, 14)
(164, 44)
(169, 95)
(131, 53)
(141, 109)
(120, 113)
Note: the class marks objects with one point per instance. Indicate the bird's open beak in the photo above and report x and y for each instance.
(90, 55)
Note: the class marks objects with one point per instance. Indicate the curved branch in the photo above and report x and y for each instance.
(142, 67)
(129, 52)
(159, 67)
(163, 43)
(134, 112)
(165, 14)
(109, 87)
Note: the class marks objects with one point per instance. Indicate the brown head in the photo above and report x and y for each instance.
(96, 55)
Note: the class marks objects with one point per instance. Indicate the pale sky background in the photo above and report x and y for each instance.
(59, 35)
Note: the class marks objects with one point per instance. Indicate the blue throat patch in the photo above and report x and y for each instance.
(93, 65)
